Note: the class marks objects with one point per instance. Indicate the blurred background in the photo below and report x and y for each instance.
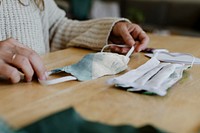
(164, 17)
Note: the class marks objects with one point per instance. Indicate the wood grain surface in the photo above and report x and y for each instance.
(178, 111)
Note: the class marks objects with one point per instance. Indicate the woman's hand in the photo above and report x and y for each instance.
(129, 34)
(16, 58)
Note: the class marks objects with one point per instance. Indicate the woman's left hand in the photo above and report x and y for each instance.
(129, 34)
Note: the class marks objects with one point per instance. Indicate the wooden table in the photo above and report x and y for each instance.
(178, 111)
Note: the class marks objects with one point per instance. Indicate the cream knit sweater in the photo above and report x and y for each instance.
(50, 30)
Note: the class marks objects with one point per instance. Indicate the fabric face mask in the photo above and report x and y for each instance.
(153, 76)
(166, 56)
(92, 66)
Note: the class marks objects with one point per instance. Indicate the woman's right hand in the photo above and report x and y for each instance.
(16, 58)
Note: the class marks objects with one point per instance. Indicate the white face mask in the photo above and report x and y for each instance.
(166, 56)
(92, 66)
(153, 77)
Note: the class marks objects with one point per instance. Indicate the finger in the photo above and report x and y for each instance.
(143, 41)
(9, 72)
(15, 42)
(115, 49)
(38, 66)
(117, 40)
(22, 63)
(122, 50)
(137, 30)
(35, 61)
(125, 50)
(128, 39)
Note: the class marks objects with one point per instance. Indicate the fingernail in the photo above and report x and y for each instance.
(117, 49)
(138, 50)
(44, 77)
(123, 51)
(29, 79)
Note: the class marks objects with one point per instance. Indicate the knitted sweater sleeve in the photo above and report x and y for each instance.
(92, 34)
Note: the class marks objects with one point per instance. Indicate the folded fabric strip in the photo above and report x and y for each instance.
(153, 77)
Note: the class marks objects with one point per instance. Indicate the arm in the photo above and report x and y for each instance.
(93, 34)
(65, 32)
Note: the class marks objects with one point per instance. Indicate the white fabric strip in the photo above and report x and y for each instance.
(184, 58)
(142, 80)
(133, 75)
(161, 76)
(57, 80)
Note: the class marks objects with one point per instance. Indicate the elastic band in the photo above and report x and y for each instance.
(57, 80)
(105, 47)
(130, 51)
(122, 46)
(192, 61)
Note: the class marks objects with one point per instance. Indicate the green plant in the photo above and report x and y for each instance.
(135, 15)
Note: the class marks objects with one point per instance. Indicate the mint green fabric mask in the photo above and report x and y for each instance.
(92, 66)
